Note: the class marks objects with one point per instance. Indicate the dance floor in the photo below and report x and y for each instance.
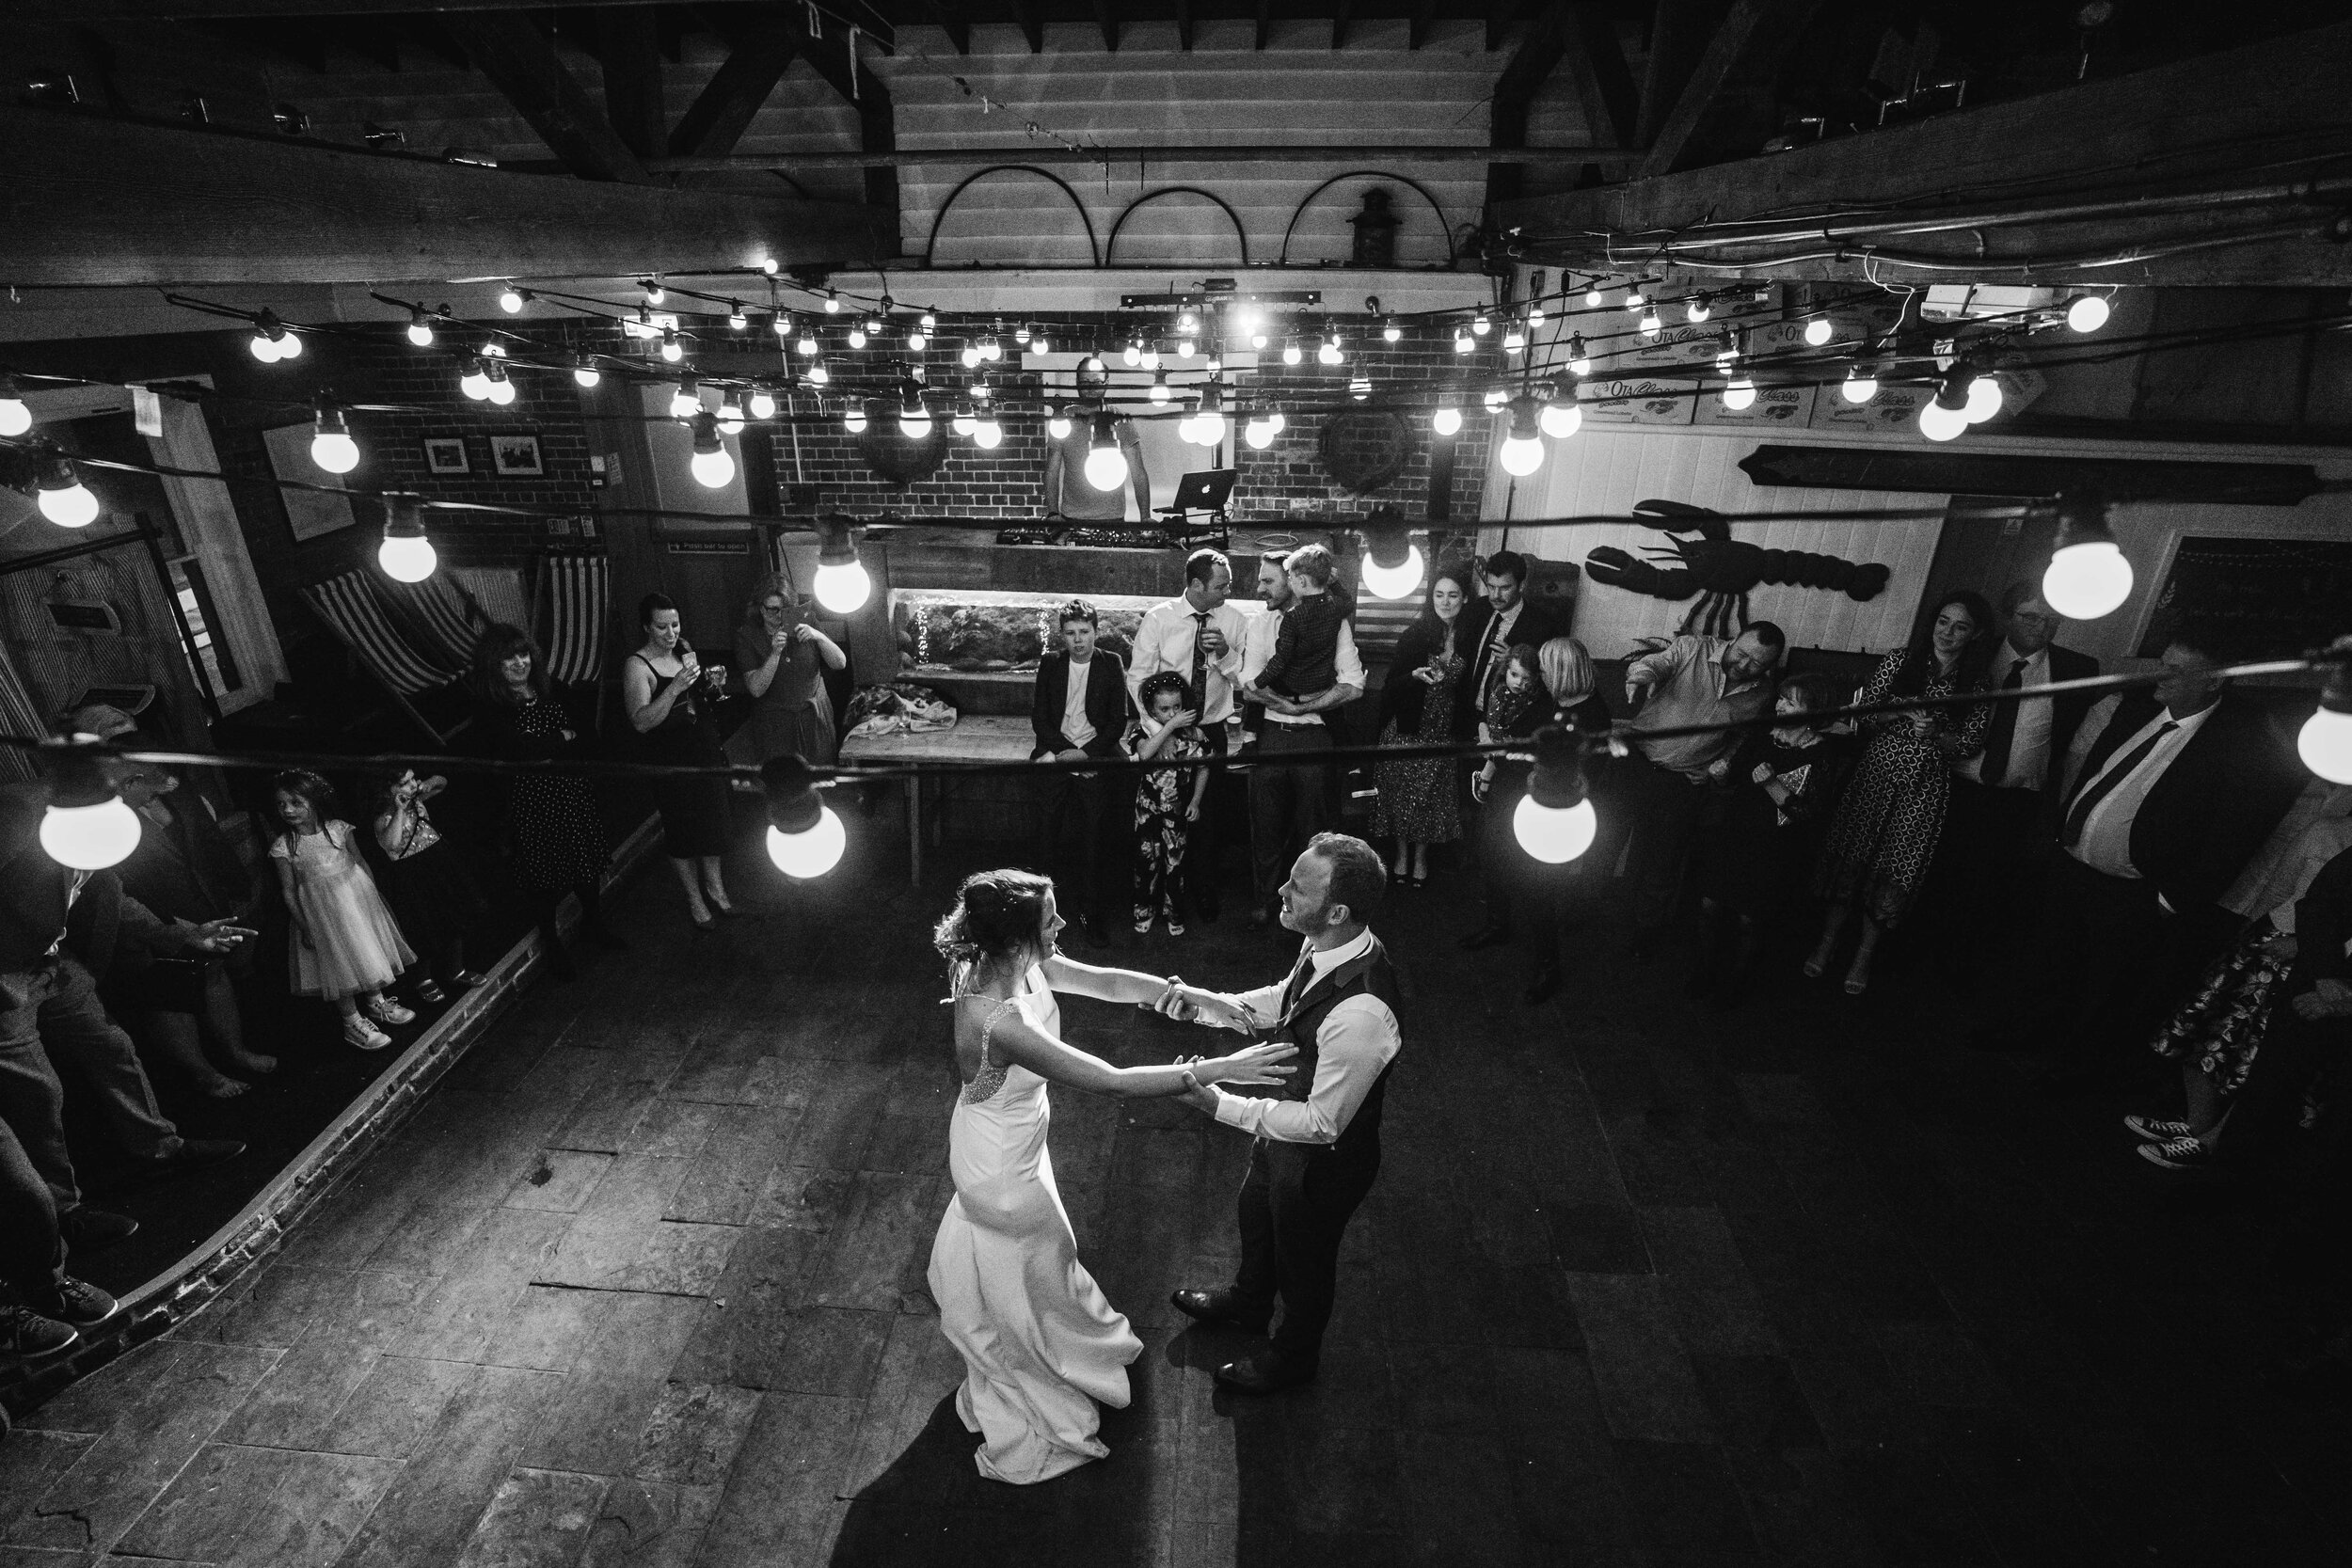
(642, 1284)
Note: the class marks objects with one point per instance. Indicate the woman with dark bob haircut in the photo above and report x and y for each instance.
(559, 837)
(1041, 1346)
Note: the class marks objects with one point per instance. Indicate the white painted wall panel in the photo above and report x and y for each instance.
(1610, 470)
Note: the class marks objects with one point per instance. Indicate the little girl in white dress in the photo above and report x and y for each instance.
(346, 947)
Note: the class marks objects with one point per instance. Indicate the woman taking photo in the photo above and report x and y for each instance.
(1884, 835)
(667, 695)
(784, 656)
(1421, 704)
(559, 838)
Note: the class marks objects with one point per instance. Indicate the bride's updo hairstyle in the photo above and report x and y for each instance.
(997, 914)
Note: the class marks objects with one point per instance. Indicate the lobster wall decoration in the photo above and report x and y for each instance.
(1719, 569)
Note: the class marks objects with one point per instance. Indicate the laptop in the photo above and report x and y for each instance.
(1206, 491)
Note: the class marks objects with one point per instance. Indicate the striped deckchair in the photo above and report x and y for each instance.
(575, 605)
(349, 608)
(437, 613)
(498, 590)
(19, 715)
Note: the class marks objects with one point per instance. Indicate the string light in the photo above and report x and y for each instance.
(1594, 298)
(502, 389)
(1446, 418)
(915, 416)
(331, 446)
(1554, 822)
(1159, 387)
(2087, 575)
(737, 320)
(1535, 313)
(962, 423)
(2325, 741)
(1943, 417)
(783, 325)
(1151, 357)
(806, 838)
(1463, 342)
(1741, 394)
(406, 554)
(1040, 344)
(1107, 466)
(817, 374)
(712, 465)
(1391, 332)
(763, 401)
(271, 341)
(475, 383)
(654, 293)
(1290, 352)
(1132, 353)
(841, 584)
(1258, 340)
(986, 433)
(1522, 448)
(1651, 323)
(854, 418)
(807, 344)
(86, 825)
(1056, 424)
(991, 350)
(1184, 348)
(1697, 309)
(672, 350)
(419, 326)
(1818, 331)
(918, 340)
(16, 415)
(1393, 564)
(584, 370)
(2086, 313)
(686, 401)
(730, 415)
(511, 299)
(857, 334)
(833, 302)
(1330, 353)
(1859, 386)
(1479, 324)
(64, 499)
(1563, 415)
(1514, 338)
(1260, 430)
(1580, 361)
(1634, 299)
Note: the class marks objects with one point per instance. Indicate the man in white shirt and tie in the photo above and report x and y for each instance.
(2168, 793)
(1289, 805)
(1199, 637)
(1317, 1146)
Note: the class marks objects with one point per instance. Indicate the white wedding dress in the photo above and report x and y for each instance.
(1040, 1344)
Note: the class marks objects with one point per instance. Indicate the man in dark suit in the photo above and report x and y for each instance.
(2004, 799)
(1505, 618)
(2166, 794)
(1079, 711)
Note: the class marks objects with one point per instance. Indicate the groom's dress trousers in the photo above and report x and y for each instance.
(1318, 1146)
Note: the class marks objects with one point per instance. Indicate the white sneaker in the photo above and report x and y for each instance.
(2150, 1130)
(1143, 927)
(364, 1036)
(384, 1010)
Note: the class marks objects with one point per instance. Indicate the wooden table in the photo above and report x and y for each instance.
(977, 738)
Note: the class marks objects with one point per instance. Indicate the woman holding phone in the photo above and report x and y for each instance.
(669, 693)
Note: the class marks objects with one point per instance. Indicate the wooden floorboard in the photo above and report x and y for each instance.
(642, 1286)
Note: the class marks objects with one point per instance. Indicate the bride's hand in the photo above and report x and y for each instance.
(1253, 1064)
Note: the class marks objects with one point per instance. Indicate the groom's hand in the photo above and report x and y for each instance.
(1195, 1095)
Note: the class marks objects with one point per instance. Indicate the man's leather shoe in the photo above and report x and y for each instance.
(1545, 986)
(87, 1230)
(1263, 1373)
(1222, 1308)
(1486, 936)
(194, 1152)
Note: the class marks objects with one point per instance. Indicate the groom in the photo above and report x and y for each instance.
(1318, 1144)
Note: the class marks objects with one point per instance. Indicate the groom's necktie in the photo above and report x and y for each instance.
(1300, 978)
(1199, 663)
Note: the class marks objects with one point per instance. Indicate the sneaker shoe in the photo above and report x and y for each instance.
(2183, 1153)
(359, 1033)
(1143, 927)
(2149, 1129)
(1175, 928)
(81, 1301)
(26, 1336)
(384, 1010)
(87, 1230)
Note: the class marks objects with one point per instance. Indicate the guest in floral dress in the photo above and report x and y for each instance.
(1422, 703)
(1884, 833)
(1167, 800)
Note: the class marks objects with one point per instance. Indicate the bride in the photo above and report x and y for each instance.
(1039, 1342)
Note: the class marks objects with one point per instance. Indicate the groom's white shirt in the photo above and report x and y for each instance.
(1358, 1038)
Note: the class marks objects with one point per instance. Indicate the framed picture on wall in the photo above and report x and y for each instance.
(517, 456)
(446, 454)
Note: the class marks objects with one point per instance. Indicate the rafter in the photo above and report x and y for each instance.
(1265, 22)
(521, 63)
(1523, 75)
(628, 50)
(1032, 21)
(734, 94)
(1740, 59)
(1183, 25)
(1417, 30)
(1343, 14)
(953, 23)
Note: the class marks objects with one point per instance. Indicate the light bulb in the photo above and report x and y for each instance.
(1042, 344)
(335, 451)
(1058, 426)
(1159, 389)
(970, 357)
(1257, 340)
(1697, 309)
(1939, 423)
(421, 330)
(833, 302)
(2325, 744)
(406, 560)
(654, 293)
(917, 340)
(2087, 312)
(1132, 354)
(1290, 352)
(15, 417)
(1259, 433)
(1392, 333)
(90, 838)
(915, 423)
(807, 344)
(812, 853)
(1481, 326)
(1817, 331)
(988, 434)
(857, 336)
(926, 320)
(587, 374)
(1594, 298)
(730, 418)
(1985, 398)
(502, 390)
(1633, 298)
(1329, 352)
(1393, 582)
(1020, 332)
(818, 374)
(992, 350)
(1554, 835)
(1277, 421)
(475, 383)
(1579, 362)
(1652, 324)
(770, 266)
(763, 404)
(2087, 580)
(70, 506)
(712, 469)
(1513, 339)
(737, 320)
(1739, 394)
(1534, 312)
(964, 424)
(782, 323)
(264, 349)
(854, 419)
(510, 302)
(672, 350)
(1857, 387)
(1521, 456)
(1462, 344)
(1446, 420)
(1562, 418)
(1106, 468)
(845, 588)
(1184, 348)
(685, 403)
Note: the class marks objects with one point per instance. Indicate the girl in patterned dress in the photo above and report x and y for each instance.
(1884, 833)
(346, 946)
(1167, 800)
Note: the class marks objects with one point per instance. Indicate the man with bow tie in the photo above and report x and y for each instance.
(1318, 1142)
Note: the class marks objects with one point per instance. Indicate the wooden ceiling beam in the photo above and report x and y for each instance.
(736, 94)
(952, 21)
(1183, 26)
(1032, 22)
(1522, 77)
(1343, 16)
(509, 49)
(2186, 124)
(1265, 23)
(1417, 28)
(94, 202)
(628, 50)
(1107, 18)
(1741, 59)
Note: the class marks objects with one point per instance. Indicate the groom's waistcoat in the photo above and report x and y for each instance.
(1367, 974)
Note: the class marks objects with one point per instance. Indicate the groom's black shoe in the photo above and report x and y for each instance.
(1221, 1308)
(1263, 1373)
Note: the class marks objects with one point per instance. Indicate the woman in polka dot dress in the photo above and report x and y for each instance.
(558, 837)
